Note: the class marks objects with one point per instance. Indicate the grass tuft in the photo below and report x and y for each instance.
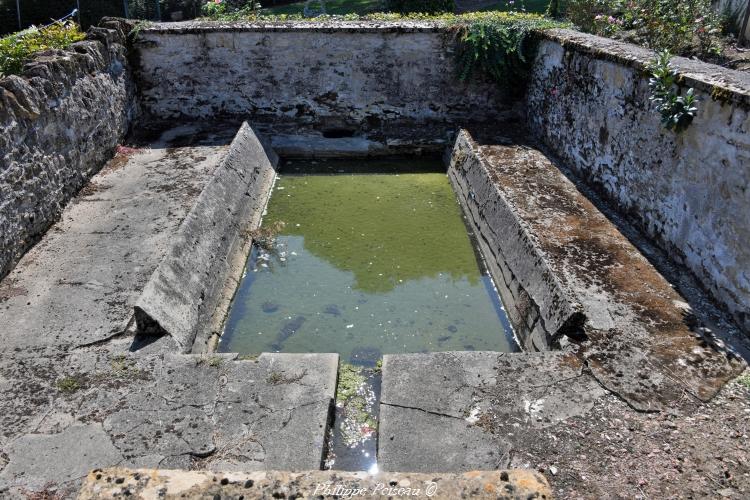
(68, 385)
(18, 49)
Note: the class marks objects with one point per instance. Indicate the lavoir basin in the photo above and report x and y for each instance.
(365, 258)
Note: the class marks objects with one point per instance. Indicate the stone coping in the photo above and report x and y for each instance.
(723, 84)
(200, 26)
(154, 483)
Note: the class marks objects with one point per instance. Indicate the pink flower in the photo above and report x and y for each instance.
(125, 150)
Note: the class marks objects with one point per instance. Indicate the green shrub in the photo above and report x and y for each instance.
(421, 6)
(590, 15)
(219, 8)
(16, 50)
(684, 27)
(677, 111)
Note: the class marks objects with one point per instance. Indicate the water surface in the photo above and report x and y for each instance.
(373, 258)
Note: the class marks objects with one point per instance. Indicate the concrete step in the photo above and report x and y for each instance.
(438, 410)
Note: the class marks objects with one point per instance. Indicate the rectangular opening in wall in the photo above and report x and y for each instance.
(365, 258)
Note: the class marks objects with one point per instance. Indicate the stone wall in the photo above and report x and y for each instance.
(373, 80)
(59, 123)
(690, 192)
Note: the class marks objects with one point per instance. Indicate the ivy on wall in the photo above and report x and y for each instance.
(501, 45)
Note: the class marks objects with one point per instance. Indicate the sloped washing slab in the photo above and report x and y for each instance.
(188, 293)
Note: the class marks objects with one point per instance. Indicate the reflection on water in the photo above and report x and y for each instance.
(366, 264)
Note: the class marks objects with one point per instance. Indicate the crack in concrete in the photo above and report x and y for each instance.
(116, 334)
(587, 368)
(439, 414)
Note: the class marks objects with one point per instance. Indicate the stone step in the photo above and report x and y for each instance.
(147, 484)
(213, 412)
(438, 410)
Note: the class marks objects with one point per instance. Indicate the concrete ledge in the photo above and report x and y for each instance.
(182, 294)
(212, 412)
(311, 146)
(639, 333)
(148, 483)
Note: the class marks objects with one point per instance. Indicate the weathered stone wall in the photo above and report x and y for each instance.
(59, 123)
(589, 102)
(377, 80)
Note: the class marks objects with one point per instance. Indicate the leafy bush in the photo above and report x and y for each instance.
(214, 8)
(685, 27)
(677, 111)
(423, 6)
(16, 50)
(682, 27)
(219, 8)
(587, 14)
(500, 45)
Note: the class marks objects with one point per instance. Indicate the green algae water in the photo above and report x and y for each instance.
(372, 258)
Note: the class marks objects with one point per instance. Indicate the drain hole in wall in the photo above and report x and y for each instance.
(337, 133)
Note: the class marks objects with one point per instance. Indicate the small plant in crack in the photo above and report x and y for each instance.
(69, 384)
(212, 361)
(677, 111)
(120, 365)
(277, 378)
(265, 236)
(744, 380)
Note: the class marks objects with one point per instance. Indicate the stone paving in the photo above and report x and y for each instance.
(81, 390)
